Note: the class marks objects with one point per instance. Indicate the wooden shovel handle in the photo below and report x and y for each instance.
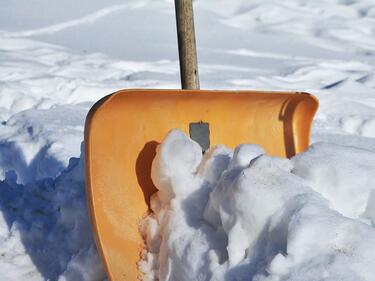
(186, 45)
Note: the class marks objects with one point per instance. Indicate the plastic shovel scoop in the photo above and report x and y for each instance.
(123, 130)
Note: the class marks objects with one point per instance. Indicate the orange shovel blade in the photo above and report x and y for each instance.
(123, 130)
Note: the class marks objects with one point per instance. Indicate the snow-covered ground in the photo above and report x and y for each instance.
(58, 57)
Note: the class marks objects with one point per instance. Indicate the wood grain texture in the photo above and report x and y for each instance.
(187, 45)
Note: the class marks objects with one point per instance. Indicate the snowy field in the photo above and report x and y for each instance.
(58, 57)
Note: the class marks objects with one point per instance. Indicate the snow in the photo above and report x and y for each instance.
(59, 57)
(45, 232)
(341, 174)
(244, 215)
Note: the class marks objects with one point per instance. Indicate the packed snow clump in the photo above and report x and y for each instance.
(243, 215)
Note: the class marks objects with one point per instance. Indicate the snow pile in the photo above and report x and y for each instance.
(243, 215)
(344, 175)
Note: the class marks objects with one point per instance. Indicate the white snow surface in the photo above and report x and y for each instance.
(58, 57)
(243, 215)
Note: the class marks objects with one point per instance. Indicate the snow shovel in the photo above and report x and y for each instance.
(123, 130)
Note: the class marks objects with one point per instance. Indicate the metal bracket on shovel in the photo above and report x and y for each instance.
(200, 132)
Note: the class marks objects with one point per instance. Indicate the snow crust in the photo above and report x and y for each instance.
(243, 215)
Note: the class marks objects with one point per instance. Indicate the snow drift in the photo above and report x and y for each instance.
(243, 215)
